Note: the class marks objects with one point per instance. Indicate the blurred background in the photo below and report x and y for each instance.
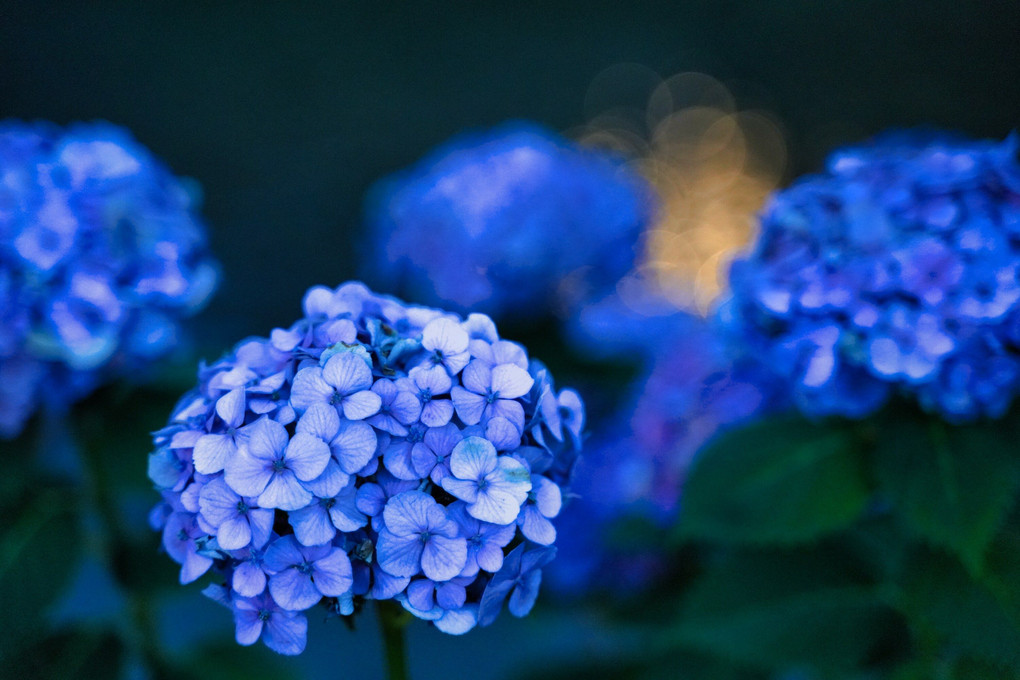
(285, 114)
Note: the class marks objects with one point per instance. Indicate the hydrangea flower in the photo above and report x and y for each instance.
(102, 253)
(893, 272)
(694, 385)
(513, 221)
(306, 468)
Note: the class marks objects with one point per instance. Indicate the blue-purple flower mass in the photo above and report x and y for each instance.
(694, 385)
(515, 222)
(893, 272)
(373, 450)
(102, 253)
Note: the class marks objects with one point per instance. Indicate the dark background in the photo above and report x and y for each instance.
(285, 113)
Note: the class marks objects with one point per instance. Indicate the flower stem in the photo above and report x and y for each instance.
(392, 620)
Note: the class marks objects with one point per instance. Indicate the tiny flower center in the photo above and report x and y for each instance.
(424, 536)
(305, 567)
(242, 507)
(327, 503)
(336, 398)
(425, 395)
(265, 614)
(491, 397)
(279, 465)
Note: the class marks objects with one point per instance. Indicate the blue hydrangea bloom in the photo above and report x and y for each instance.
(693, 386)
(514, 222)
(102, 253)
(373, 450)
(893, 272)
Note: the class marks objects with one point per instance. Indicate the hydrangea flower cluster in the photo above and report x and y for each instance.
(514, 222)
(373, 450)
(694, 386)
(895, 271)
(101, 254)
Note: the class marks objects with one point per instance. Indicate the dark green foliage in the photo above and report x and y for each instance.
(950, 485)
(779, 608)
(778, 481)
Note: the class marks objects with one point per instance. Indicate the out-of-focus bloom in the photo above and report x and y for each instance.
(101, 254)
(694, 385)
(895, 271)
(515, 222)
(309, 468)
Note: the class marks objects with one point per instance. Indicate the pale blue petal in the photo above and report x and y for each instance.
(212, 453)
(399, 555)
(333, 573)
(286, 633)
(445, 335)
(510, 381)
(419, 594)
(469, 405)
(247, 626)
(361, 405)
(217, 502)
(473, 458)
(234, 534)
(405, 407)
(407, 513)
(458, 621)
(347, 373)
(385, 586)
(309, 388)
(443, 558)
(503, 434)
(537, 528)
(230, 407)
(248, 580)
(293, 590)
(354, 445)
(261, 521)
(307, 456)
(437, 412)
(266, 438)
(312, 525)
(247, 475)
(284, 552)
(329, 483)
(320, 420)
(284, 491)
(477, 377)
(398, 460)
(464, 489)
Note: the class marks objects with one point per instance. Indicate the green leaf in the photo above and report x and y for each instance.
(952, 485)
(778, 481)
(976, 619)
(784, 608)
(39, 548)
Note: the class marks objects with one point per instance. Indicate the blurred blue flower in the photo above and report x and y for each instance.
(102, 253)
(515, 222)
(304, 469)
(893, 272)
(693, 385)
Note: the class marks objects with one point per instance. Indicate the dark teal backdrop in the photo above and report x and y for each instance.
(286, 112)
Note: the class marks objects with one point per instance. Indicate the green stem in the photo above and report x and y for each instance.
(392, 620)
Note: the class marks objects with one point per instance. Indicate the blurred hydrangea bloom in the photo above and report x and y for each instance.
(373, 450)
(101, 253)
(694, 385)
(515, 222)
(895, 271)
